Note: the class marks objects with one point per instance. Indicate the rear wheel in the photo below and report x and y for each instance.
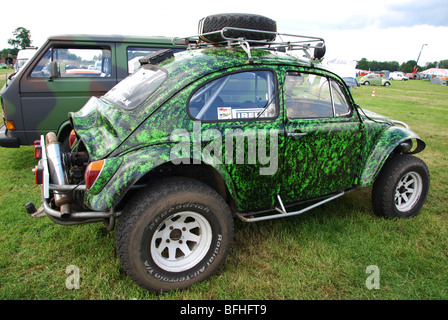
(174, 234)
(401, 187)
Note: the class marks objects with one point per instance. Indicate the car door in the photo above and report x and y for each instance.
(376, 80)
(84, 70)
(237, 119)
(323, 137)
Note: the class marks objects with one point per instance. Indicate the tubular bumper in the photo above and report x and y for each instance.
(50, 191)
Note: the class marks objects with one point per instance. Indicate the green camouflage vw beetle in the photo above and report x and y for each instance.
(235, 128)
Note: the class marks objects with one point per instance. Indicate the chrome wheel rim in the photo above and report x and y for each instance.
(181, 241)
(408, 191)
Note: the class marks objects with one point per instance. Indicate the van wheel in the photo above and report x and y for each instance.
(236, 20)
(174, 234)
(401, 188)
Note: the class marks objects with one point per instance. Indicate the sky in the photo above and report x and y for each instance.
(381, 30)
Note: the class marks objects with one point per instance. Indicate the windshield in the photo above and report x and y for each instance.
(136, 88)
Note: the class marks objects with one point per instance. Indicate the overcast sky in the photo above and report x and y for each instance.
(382, 30)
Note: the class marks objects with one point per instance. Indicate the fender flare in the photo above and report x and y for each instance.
(133, 167)
(66, 126)
(390, 140)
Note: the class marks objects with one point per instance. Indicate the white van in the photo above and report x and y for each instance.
(23, 56)
(398, 76)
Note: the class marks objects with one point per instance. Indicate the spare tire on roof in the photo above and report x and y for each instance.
(237, 20)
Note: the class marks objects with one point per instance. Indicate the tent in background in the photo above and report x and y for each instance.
(436, 72)
(436, 80)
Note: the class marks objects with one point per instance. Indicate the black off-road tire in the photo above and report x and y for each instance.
(237, 20)
(401, 187)
(174, 234)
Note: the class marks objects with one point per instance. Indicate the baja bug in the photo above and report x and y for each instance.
(240, 126)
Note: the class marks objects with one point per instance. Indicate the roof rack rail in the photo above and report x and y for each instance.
(281, 41)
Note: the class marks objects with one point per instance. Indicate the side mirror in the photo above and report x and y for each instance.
(319, 51)
(54, 72)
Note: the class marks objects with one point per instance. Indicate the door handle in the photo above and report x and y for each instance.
(296, 135)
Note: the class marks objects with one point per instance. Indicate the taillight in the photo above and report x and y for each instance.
(72, 138)
(38, 174)
(10, 125)
(92, 172)
(37, 150)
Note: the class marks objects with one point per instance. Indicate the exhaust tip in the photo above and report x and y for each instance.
(51, 138)
(65, 210)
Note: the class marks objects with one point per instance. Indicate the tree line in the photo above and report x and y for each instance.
(21, 40)
(406, 67)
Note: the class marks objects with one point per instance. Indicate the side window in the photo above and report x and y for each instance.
(236, 96)
(313, 96)
(341, 107)
(75, 62)
(307, 96)
(42, 69)
(135, 53)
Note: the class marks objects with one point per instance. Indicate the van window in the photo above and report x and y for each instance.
(75, 62)
(135, 53)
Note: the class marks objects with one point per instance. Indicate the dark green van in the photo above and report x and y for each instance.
(65, 72)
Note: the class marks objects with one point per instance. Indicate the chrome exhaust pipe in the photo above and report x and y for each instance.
(57, 173)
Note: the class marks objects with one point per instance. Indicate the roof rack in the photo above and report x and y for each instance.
(281, 41)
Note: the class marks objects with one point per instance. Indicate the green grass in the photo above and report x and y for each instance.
(4, 73)
(322, 254)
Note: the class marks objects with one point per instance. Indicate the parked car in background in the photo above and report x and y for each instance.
(374, 79)
(23, 56)
(398, 76)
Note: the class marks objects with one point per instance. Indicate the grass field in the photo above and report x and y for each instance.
(323, 254)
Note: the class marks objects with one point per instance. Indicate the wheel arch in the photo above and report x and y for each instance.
(145, 166)
(64, 131)
(215, 177)
(393, 140)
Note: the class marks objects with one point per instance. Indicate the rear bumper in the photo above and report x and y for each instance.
(7, 141)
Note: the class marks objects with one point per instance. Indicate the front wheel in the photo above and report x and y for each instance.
(174, 234)
(401, 187)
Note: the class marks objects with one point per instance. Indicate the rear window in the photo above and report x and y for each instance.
(136, 88)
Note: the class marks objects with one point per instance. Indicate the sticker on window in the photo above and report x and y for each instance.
(224, 113)
(246, 113)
